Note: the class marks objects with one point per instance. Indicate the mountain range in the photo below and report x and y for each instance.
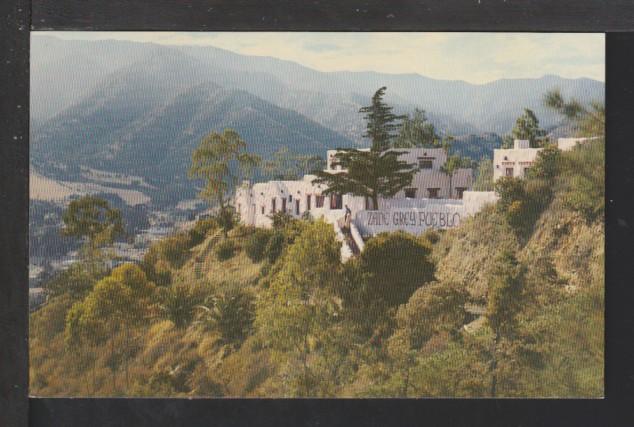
(141, 108)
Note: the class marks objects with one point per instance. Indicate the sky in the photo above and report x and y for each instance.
(473, 57)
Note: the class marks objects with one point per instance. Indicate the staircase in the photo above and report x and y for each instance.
(347, 237)
(350, 241)
(205, 248)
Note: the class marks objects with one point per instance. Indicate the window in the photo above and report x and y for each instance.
(410, 193)
(262, 209)
(319, 201)
(290, 197)
(509, 171)
(296, 206)
(336, 201)
(460, 191)
(273, 205)
(526, 171)
(283, 205)
(308, 202)
(425, 163)
(433, 193)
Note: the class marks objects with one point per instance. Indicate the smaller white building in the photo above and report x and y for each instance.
(516, 161)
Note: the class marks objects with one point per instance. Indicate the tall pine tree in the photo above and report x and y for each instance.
(375, 173)
(382, 124)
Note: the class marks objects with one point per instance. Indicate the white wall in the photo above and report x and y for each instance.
(254, 202)
(565, 144)
(517, 159)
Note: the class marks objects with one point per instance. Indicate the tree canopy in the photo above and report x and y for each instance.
(368, 174)
(590, 121)
(381, 122)
(417, 131)
(526, 128)
(221, 160)
(288, 165)
(92, 217)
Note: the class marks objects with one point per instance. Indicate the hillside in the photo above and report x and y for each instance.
(140, 126)
(457, 106)
(274, 313)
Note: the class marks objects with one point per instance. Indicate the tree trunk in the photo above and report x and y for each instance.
(451, 186)
(375, 202)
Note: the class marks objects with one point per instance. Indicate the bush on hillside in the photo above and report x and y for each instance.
(225, 250)
(256, 244)
(584, 180)
(178, 303)
(523, 201)
(275, 246)
(388, 271)
(200, 230)
(433, 309)
(232, 314)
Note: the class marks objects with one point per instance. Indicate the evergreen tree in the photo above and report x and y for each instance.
(589, 121)
(484, 177)
(526, 128)
(417, 131)
(374, 173)
(368, 174)
(92, 218)
(381, 122)
(221, 160)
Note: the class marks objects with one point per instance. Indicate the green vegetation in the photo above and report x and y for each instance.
(221, 160)
(374, 173)
(287, 165)
(508, 304)
(417, 131)
(225, 250)
(526, 128)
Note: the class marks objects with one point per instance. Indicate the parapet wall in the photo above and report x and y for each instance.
(417, 215)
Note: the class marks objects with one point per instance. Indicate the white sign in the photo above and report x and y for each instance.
(411, 220)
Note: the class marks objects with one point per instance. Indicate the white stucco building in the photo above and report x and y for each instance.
(434, 199)
(515, 162)
(255, 203)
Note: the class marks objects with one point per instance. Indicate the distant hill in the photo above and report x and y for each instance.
(140, 108)
(490, 107)
(147, 127)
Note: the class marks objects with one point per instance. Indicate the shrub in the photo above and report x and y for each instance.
(226, 218)
(583, 179)
(432, 309)
(275, 246)
(225, 250)
(200, 230)
(256, 244)
(178, 303)
(232, 315)
(388, 271)
(547, 165)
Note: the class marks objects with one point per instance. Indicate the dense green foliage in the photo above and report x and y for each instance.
(417, 131)
(225, 250)
(526, 128)
(508, 304)
(256, 244)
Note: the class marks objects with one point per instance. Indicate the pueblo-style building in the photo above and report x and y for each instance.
(255, 203)
(515, 162)
(434, 199)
